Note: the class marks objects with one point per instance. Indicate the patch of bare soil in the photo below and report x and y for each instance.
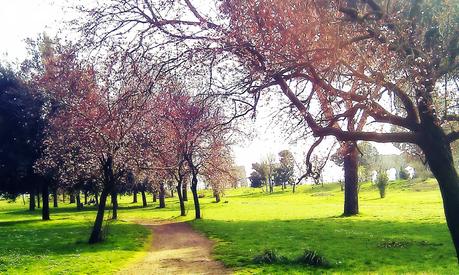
(177, 249)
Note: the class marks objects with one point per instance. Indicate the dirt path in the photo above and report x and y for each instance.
(177, 249)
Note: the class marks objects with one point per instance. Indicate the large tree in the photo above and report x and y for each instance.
(385, 60)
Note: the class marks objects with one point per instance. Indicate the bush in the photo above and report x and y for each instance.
(381, 183)
(402, 174)
(269, 256)
(312, 258)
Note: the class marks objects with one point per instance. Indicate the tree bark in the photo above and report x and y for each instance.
(351, 185)
(181, 202)
(96, 195)
(96, 234)
(45, 194)
(194, 186)
(78, 201)
(217, 197)
(114, 205)
(55, 197)
(144, 199)
(162, 196)
(154, 196)
(439, 157)
(32, 200)
(72, 198)
(85, 197)
(134, 197)
(38, 199)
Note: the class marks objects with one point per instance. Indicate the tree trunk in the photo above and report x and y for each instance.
(72, 198)
(294, 187)
(194, 186)
(63, 197)
(162, 196)
(134, 197)
(351, 185)
(439, 157)
(45, 194)
(217, 197)
(55, 199)
(144, 199)
(38, 198)
(184, 192)
(180, 197)
(85, 197)
(96, 234)
(154, 196)
(114, 206)
(78, 201)
(32, 200)
(172, 192)
(96, 195)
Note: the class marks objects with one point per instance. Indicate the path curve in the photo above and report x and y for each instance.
(177, 249)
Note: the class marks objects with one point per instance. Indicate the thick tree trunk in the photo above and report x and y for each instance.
(162, 196)
(32, 200)
(144, 199)
(439, 157)
(134, 197)
(96, 234)
(45, 194)
(114, 206)
(184, 192)
(351, 185)
(55, 199)
(72, 198)
(180, 197)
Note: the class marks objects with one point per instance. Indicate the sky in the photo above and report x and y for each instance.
(21, 19)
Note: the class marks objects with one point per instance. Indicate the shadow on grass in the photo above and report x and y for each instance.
(350, 244)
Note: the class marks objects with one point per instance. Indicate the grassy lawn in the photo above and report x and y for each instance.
(402, 233)
(59, 246)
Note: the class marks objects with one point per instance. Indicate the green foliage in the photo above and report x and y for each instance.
(381, 182)
(312, 258)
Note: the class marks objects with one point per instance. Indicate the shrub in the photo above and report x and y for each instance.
(402, 174)
(269, 256)
(381, 183)
(312, 258)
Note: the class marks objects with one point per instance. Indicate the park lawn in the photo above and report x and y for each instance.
(402, 233)
(59, 246)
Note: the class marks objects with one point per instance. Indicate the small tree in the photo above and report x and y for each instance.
(381, 183)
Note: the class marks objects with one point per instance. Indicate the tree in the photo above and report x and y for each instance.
(286, 170)
(100, 128)
(353, 55)
(256, 180)
(22, 127)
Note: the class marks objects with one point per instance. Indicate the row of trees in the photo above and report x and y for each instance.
(268, 173)
(106, 129)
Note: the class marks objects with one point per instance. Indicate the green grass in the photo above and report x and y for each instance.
(402, 233)
(59, 246)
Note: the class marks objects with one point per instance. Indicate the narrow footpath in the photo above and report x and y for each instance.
(177, 249)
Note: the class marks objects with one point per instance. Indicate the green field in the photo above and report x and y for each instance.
(402, 233)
